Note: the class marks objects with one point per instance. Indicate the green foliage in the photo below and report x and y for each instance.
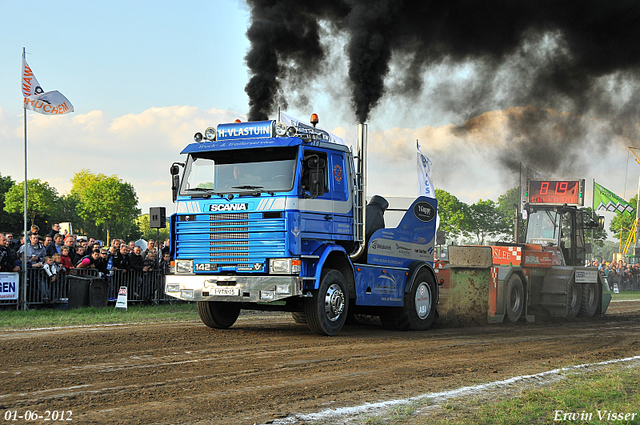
(41, 199)
(106, 201)
(451, 213)
(597, 237)
(623, 222)
(148, 232)
(9, 222)
(483, 220)
(508, 204)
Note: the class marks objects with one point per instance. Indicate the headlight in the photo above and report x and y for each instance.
(284, 266)
(184, 266)
(173, 288)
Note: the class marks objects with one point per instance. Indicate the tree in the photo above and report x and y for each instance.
(106, 201)
(9, 222)
(41, 199)
(594, 236)
(450, 212)
(148, 232)
(483, 220)
(507, 205)
(623, 222)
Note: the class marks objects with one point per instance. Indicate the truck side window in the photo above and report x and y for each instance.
(314, 173)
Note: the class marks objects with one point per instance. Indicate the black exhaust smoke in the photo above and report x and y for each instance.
(580, 56)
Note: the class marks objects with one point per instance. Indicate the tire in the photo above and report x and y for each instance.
(419, 310)
(574, 299)
(590, 299)
(327, 310)
(218, 315)
(299, 317)
(514, 298)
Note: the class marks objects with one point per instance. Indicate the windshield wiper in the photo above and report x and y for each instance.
(247, 187)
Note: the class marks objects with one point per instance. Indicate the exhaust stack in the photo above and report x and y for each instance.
(361, 191)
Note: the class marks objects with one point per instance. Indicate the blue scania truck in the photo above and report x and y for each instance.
(272, 215)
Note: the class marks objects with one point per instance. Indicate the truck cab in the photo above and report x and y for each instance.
(270, 215)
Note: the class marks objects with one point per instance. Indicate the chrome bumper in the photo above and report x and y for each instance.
(233, 288)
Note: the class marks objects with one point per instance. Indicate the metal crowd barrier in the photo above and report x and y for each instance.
(142, 287)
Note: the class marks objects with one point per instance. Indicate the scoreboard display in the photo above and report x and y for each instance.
(556, 192)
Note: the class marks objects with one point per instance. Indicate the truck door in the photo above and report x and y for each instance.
(342, 202)
(316, 211)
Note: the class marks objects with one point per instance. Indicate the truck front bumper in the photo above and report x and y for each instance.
(233, 288)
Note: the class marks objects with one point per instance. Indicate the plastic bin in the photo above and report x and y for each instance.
(85, 291)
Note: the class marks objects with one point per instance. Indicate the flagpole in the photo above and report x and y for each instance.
(24, 244)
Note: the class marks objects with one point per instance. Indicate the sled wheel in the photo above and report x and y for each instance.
(590, 299)
(326, 311)
(299, 317)
(574, 299)
(419, 309)
(218, 315)
(514, 298)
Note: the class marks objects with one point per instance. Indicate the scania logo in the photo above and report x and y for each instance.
(229, 207)
(424, 211)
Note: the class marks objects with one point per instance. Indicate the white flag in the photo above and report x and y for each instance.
(36, 99)
(425, 184)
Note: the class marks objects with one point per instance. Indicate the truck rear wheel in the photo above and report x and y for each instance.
(590, 299)
(514, 298)
(419, 309)
(574, 299)
(218, 315)
(326, 311)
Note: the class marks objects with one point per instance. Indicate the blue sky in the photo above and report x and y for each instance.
(144, 76)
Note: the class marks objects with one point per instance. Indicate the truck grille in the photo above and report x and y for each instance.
(231, 239)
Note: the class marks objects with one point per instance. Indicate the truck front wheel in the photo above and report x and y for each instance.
(218, 315)
(326, 311)
(590, 299)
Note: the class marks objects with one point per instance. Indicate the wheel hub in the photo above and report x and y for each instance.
(423, 300)
(334, 302)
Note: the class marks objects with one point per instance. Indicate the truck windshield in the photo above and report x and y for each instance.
(251, 170)
(542, 227)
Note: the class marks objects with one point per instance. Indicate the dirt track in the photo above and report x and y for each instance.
(266, 366)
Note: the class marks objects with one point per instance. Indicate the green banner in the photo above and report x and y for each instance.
(606, 200)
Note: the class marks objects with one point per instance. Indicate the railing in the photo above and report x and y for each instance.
(142, 287)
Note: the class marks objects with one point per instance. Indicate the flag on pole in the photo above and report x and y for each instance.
(425, 184)
(606, 200)
(36, 99)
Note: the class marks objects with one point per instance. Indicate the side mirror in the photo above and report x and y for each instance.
(175, 179)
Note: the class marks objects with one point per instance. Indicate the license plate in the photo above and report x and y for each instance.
(230, 292)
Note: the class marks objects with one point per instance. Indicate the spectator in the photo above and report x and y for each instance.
(52, 272)
(55, 229)
(136, 261)
(7, 264)
(80, 253)
(14, 245)
(89, 261)
(166, 247)
(151, 246)
(58, 242)
(65, 259)
(12, 255)
(165, 263)
(121, 259)
(92, 244)
(103, 265)
(35, 229)
(49, 246)
(132, 246)
(70, 242)
(35, 251)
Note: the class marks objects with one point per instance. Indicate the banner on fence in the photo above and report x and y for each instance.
(9, 286)
(121, 302)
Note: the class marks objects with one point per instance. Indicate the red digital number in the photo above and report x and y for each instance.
(561, 188)
(544, 188)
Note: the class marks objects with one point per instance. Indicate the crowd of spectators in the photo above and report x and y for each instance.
(625, 276)
(56, 253)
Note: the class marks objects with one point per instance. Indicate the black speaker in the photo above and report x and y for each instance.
(157, 217)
